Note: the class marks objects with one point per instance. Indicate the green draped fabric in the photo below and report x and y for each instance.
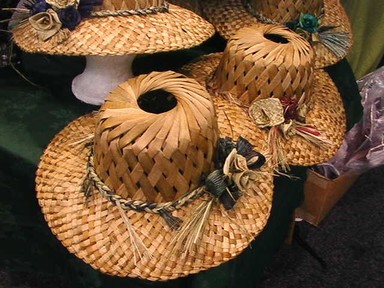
(367, 20)
(31, 115)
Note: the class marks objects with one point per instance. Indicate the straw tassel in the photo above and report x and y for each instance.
(87, 187)
(337, 42)
(225, 186)
(139, 248)
(190, 233)
(173, 222)
(278, 157)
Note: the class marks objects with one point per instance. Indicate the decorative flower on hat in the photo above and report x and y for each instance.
(309, 26)
(46, 23)
(58, 17)
(285, 117)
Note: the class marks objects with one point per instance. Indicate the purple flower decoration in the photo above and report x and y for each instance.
(86, 7)
(70, 17)
(37, 6)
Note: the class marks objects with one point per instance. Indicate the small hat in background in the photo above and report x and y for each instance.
(324, 23)
(268, 71)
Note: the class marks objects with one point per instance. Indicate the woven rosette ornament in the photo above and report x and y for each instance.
(155, 193)
(110, 33)
(324, 23)
(267, 70)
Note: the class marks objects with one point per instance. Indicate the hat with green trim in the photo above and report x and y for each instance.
(324, 23)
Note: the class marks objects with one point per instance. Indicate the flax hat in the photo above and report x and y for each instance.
(113, 202)
(193, 5)
(324, 22)
(268, 70)
(109, 27)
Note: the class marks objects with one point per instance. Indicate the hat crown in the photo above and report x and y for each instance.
(265, 61)
(155, 157)
(286, 10)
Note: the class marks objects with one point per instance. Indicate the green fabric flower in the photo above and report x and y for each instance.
(308, 22)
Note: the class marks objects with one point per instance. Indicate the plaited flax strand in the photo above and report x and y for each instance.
(139, 206)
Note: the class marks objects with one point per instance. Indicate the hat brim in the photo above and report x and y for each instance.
(95, 231)
(327, 114)
(228, 16)
(176, 29)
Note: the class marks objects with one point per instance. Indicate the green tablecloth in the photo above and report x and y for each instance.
(30, 116)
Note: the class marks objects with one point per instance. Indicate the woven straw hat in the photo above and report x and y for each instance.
(132, 202)
(330, 45)
(268, 70)
(193, 5)
(115, 27)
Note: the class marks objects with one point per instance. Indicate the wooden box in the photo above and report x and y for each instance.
(321, 194)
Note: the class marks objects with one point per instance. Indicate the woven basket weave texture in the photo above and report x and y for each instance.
(176, 29)
(155, 157)
(275, 63)
(94, 230)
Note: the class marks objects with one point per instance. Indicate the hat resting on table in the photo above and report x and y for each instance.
(268, 71)
(109, 27)
(323, 22)
(156, 194)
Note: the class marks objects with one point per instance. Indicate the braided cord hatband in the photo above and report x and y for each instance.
(151, 10)
(139, 206)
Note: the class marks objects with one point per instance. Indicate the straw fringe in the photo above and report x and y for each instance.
(139, 248)
(337, 42)
(278, 155)
(188, 237)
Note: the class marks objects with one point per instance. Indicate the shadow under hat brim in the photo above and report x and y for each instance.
(176, 29)
(327, 114)
(228, 16)
(94, 230)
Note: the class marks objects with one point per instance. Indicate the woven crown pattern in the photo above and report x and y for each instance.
(283, 11)
(269, 61)
(155, 157)
(193, 5)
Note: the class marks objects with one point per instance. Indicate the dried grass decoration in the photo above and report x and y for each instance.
(153, 185)
(267, 70)
(324, 23)
(108, 27)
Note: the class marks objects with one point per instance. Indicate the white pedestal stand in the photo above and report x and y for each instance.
(101, 75)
